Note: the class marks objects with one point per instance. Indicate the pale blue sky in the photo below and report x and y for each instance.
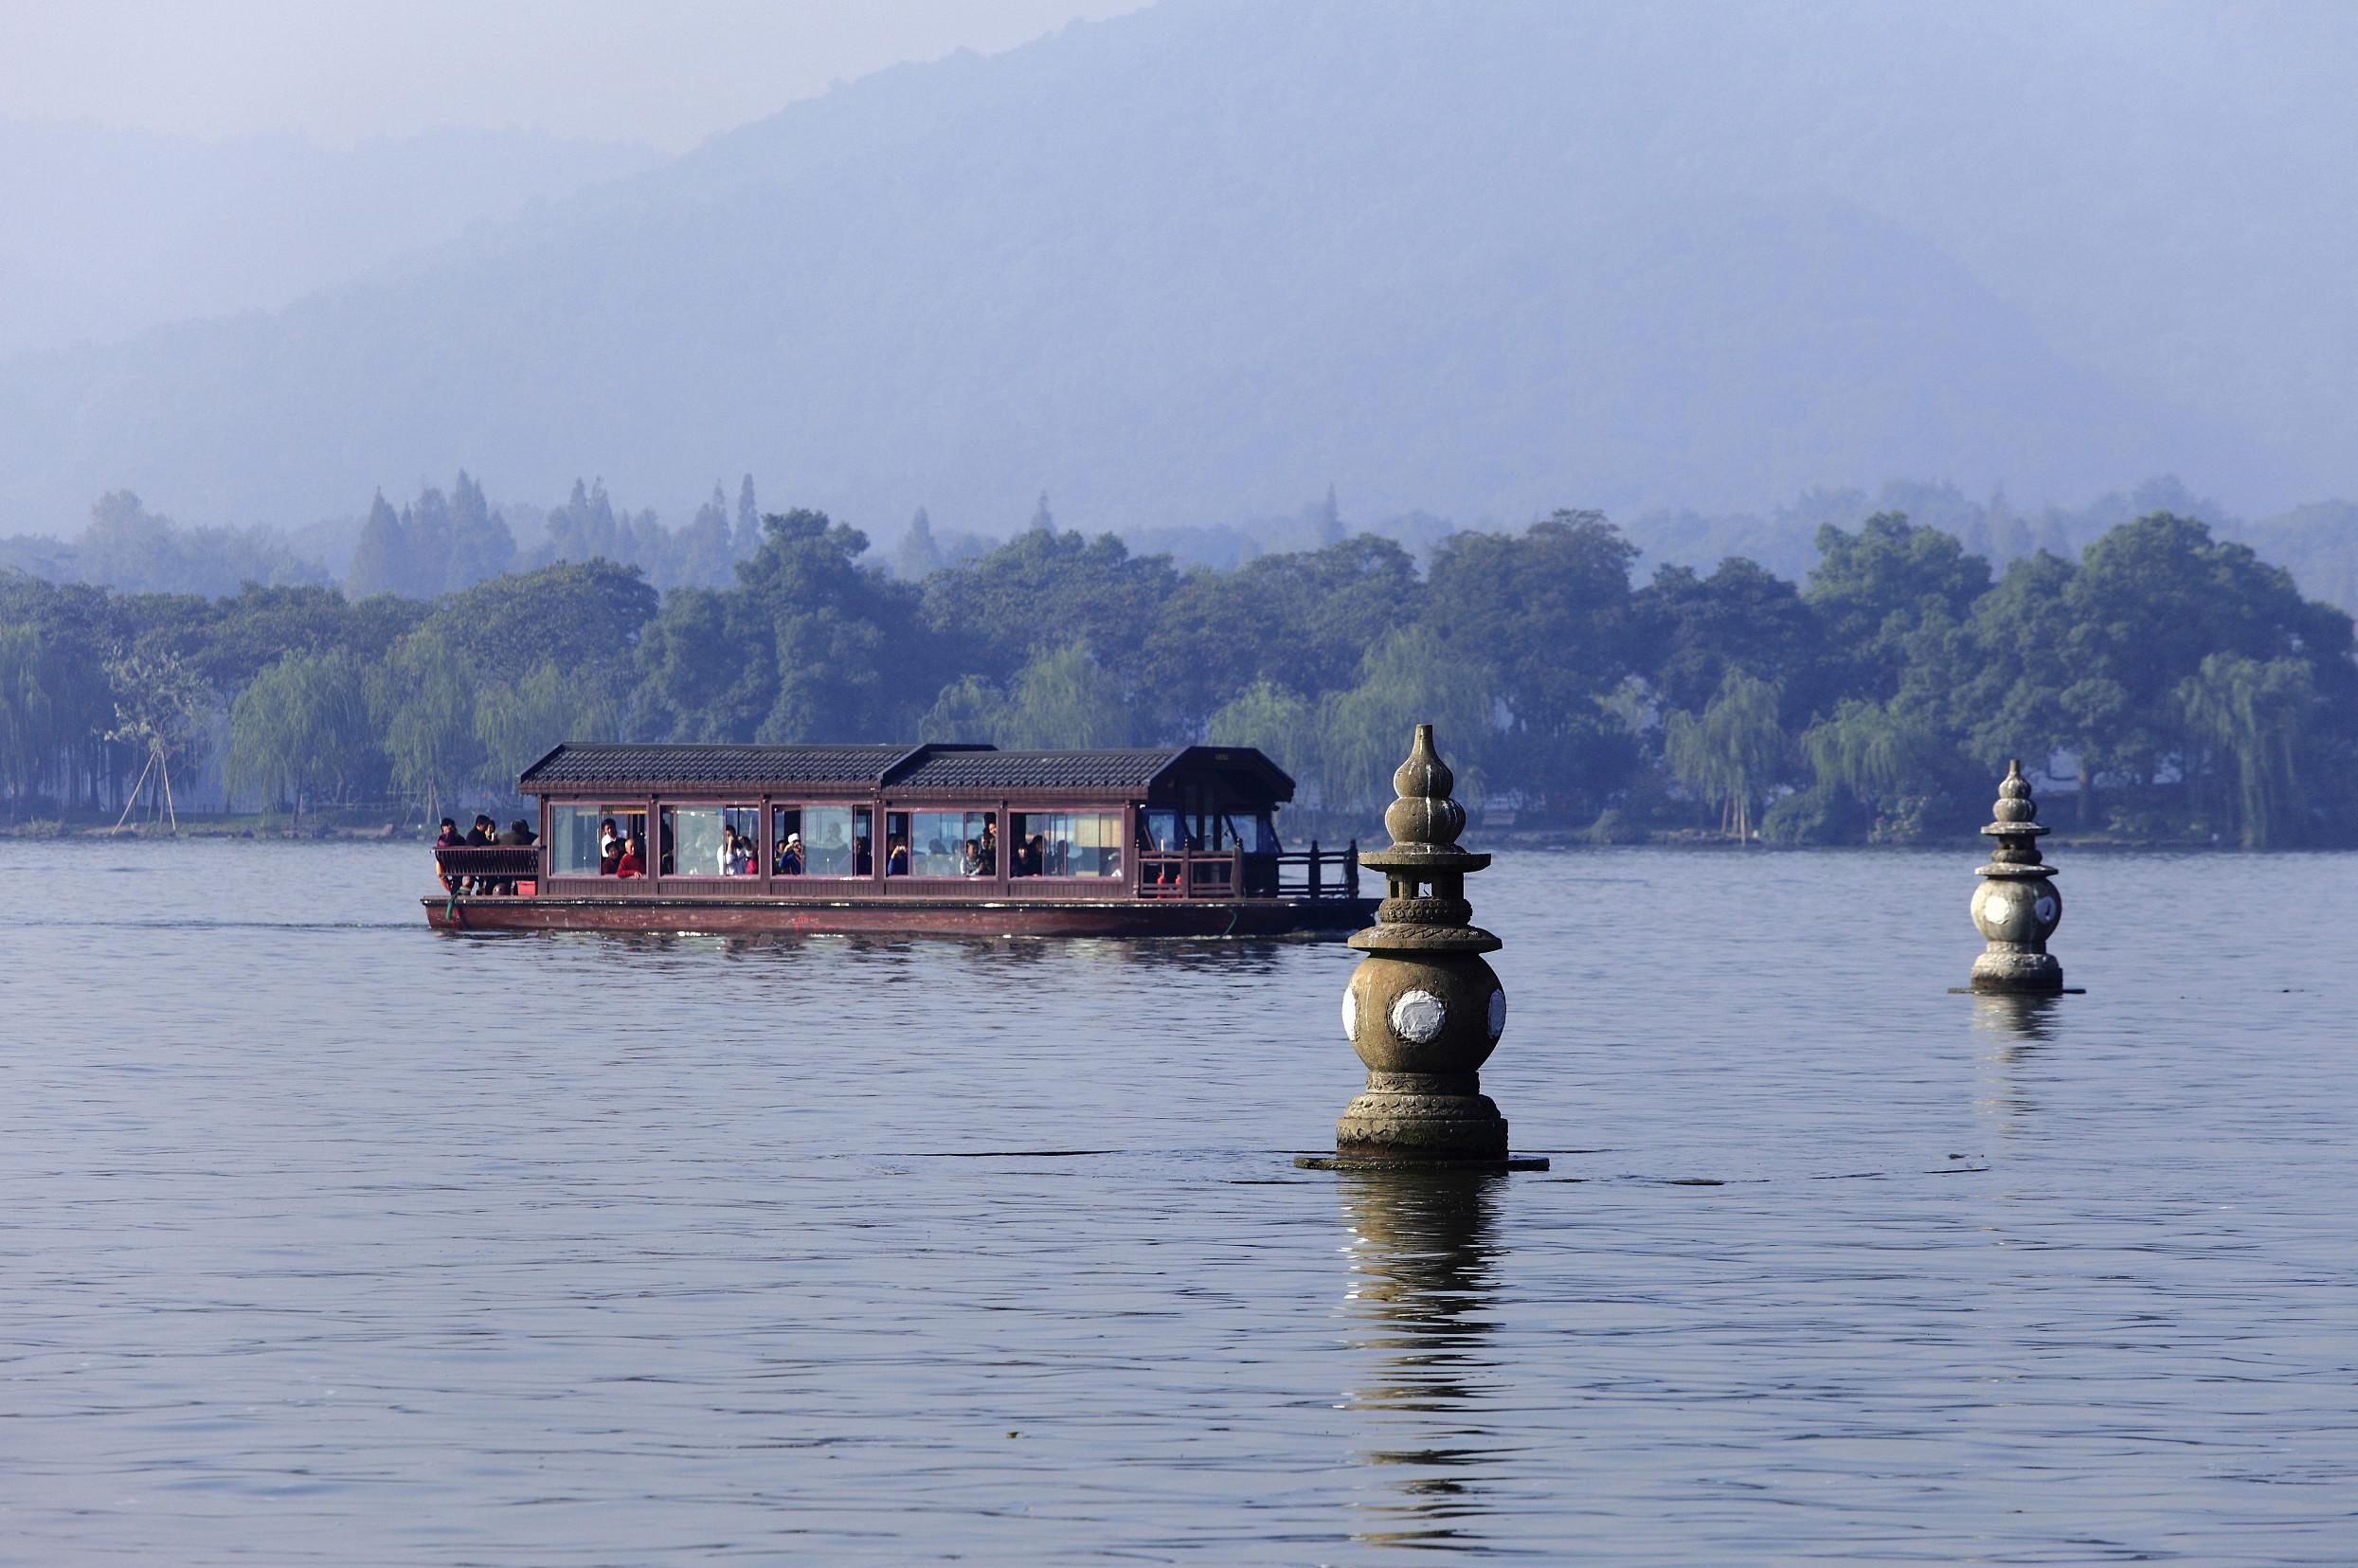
(665, 72)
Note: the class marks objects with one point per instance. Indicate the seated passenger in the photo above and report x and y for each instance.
(896, 860)
(1039, 851)
(970, 860)
(483, 834)
(730, 861)
(633, 862)
(790, 857)
(610, 847)
(447, 838)
(517, 836)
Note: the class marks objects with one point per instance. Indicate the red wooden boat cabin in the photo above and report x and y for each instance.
(1181, 841)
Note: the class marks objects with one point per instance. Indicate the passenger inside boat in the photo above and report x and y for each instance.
(449, 838)
(634, 859)
(789, 860)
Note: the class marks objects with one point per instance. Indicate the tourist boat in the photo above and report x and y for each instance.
(944, 839)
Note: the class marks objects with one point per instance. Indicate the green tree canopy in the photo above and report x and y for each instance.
(302, 728)
(1730, 754)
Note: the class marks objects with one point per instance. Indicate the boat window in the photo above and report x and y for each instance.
(835, 840)
(1254, 834)
(573, 839)
(577, 837)
(1161, 830)
(952, 843)
(711, 840)
(1065, 843)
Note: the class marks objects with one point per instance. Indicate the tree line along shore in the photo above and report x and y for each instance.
(2173, 687)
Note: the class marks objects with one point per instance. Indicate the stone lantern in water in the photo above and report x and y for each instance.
(1423, 1010)
(2016, 908)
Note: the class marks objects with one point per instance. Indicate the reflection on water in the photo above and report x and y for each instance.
(1420, 1301)
(2014, 1029)
(1256, 956)
(2017, 1018)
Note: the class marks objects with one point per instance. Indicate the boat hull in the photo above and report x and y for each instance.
(907, 916)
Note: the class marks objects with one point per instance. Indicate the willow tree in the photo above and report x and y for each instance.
(425, 703)
(1874, 751)
(301, 727)
(2248, 716)
(1410, 677)
(1279, 722)
(1063, 697)
(517, 722)
(1729, 755)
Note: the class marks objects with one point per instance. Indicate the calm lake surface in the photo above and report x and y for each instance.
(329, 1239)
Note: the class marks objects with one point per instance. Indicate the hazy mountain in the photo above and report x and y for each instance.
(111, 232)
(1192, 265)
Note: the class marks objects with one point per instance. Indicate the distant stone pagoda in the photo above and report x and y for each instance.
(1424, 1009)
(2016, 908)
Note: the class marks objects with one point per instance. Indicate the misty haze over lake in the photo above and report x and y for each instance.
(1189, 266)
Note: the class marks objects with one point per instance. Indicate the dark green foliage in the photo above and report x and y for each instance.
(1822, 814)
(1550, 611)
(1692, 628)
(1873, 589)
(2184, 685)
(1043, 588)
(585, 616)
(1299, 620)
(844, 658)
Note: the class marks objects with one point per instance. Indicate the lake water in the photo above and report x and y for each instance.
(329, 1239)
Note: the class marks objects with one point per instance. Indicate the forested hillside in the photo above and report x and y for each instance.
(1193, 265)
(2183, 688)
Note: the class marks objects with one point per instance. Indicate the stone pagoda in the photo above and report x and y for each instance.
(1423, 1010)
(2016, 908)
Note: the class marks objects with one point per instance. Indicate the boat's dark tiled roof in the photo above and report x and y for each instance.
(937, 770)
(573, 764)
(904, 768)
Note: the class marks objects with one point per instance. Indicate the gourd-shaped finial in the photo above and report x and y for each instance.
(1425, 814)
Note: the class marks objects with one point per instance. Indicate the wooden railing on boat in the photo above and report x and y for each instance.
(1312, 874)
(1319, 873)
(490, 868)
